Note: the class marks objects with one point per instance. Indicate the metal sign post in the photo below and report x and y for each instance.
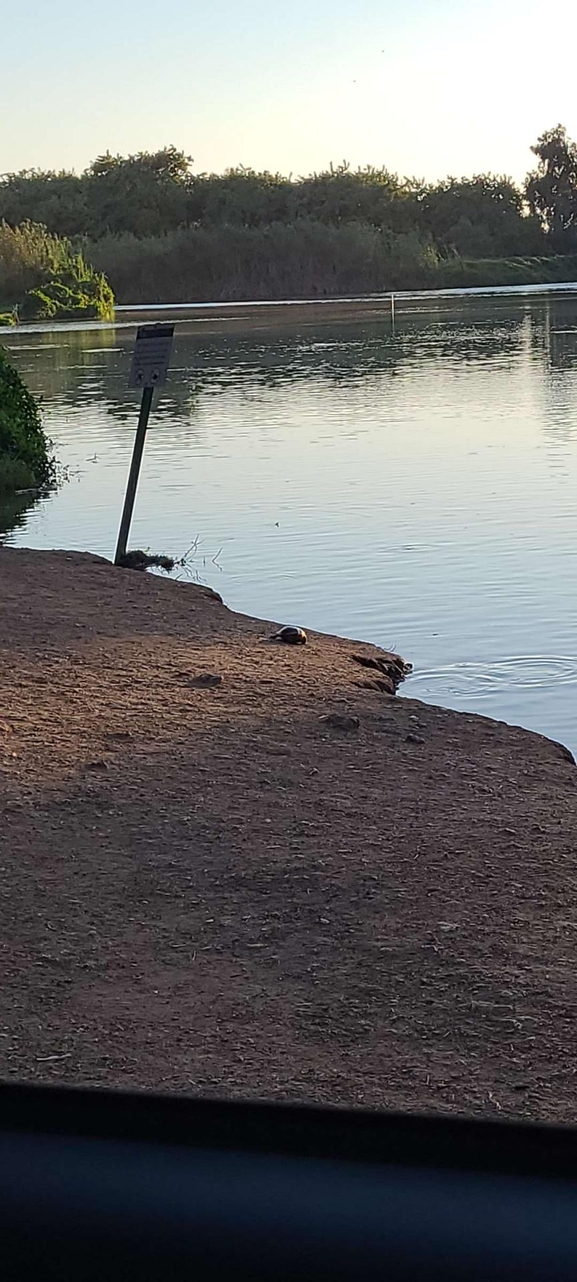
(149, 370)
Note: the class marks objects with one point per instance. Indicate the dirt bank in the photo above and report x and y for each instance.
(208, 887)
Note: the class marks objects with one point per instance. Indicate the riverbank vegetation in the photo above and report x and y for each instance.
(25, 460)
(161, 232)
(465, 273)
(299, 260)
(42, 276)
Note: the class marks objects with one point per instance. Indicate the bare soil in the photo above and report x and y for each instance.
(208, 887)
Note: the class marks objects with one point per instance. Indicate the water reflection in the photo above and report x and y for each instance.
(57, 363)
(13, 511)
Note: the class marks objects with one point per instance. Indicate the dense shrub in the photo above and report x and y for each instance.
(24, 451)
(42, 276)
(29, 254)
(306, 259)
(77, 291)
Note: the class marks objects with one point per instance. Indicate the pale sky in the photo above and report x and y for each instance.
(424, 87)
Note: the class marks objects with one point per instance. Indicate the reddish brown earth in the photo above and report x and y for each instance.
(209, 888)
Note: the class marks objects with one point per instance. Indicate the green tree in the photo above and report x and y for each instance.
(55, 200)
(147, 194)
(240, 198)
(480, 217)
(551, 190)
(343, 195)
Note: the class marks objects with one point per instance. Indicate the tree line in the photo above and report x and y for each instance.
(159, 231)
(151, 194)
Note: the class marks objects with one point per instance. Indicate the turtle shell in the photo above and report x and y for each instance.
(291, 636)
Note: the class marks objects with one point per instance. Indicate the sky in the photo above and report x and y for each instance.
(424, 87)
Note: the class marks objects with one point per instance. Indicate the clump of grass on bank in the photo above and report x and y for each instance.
(25, 460)
(139, 560)
(43, 278)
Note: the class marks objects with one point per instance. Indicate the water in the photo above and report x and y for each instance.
(417, 489)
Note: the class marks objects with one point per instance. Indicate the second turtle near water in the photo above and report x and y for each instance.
(290, 636)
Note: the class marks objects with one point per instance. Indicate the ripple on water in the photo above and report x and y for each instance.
(481, 680)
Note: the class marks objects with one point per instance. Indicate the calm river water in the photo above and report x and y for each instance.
(415, 488)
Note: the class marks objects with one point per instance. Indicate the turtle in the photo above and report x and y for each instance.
(290, 636)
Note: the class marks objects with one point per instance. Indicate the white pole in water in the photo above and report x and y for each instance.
(393, 310)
